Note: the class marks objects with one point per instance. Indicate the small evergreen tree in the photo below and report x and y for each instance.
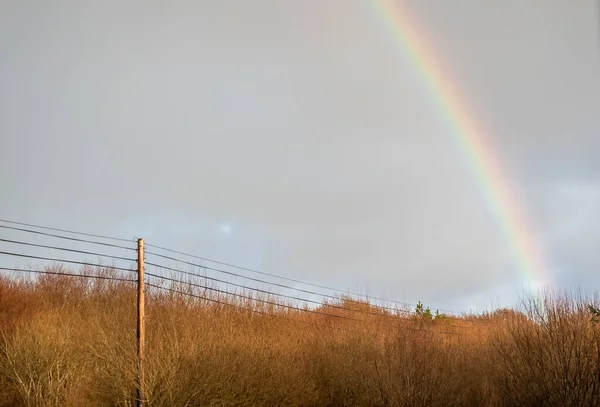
(423, 313)
(595, 313)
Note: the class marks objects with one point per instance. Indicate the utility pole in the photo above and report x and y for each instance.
(141, 334)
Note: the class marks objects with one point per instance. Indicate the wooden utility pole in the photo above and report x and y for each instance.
(141, 334)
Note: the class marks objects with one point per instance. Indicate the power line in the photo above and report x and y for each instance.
(267, 302)
(64, 261)
(201, 258)
(67, 274)
(270, 283)
(67, 238)
(240, 308)
(198, 257)
(276, 276)
(66, 249)
(291, 297)
(281, 295)
(65, 230)
(238, 267)
(266, 313)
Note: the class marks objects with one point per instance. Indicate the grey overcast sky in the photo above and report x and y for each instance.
(296, 137)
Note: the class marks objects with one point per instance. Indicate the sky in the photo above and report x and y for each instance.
(297, 138)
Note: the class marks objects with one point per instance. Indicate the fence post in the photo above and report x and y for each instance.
(140, 324)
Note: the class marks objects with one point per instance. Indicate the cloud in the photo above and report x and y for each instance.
(307, 130)
(570, 226)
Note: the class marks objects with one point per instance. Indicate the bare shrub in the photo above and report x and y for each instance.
(71, 342)
(552, 357)
(38, 362)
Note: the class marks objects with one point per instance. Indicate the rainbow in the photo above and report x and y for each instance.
(472, 140)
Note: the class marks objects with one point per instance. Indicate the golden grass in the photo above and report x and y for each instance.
(71, 342)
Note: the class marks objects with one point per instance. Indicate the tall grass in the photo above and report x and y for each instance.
(71, 342)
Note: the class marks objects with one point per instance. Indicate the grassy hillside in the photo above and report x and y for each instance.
(71, 342)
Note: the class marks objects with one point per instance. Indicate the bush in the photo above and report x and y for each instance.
(71, 342)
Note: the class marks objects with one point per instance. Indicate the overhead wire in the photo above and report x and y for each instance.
(65, 230)
(172, 290)
(246, 297)
(37, 232)
(274, 314)
(67, 274)
(212, 289)
(365, 296)
(258, 290)
(192, 264)
(83, 263)
(272, 293)
(272, 283)
(66, 249)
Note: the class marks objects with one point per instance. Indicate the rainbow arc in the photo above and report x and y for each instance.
(472, 139)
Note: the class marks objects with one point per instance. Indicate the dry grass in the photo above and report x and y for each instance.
(71, 342)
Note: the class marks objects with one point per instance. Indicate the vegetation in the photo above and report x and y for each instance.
(71, 342)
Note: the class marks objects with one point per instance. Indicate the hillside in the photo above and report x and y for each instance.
(70, 342)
